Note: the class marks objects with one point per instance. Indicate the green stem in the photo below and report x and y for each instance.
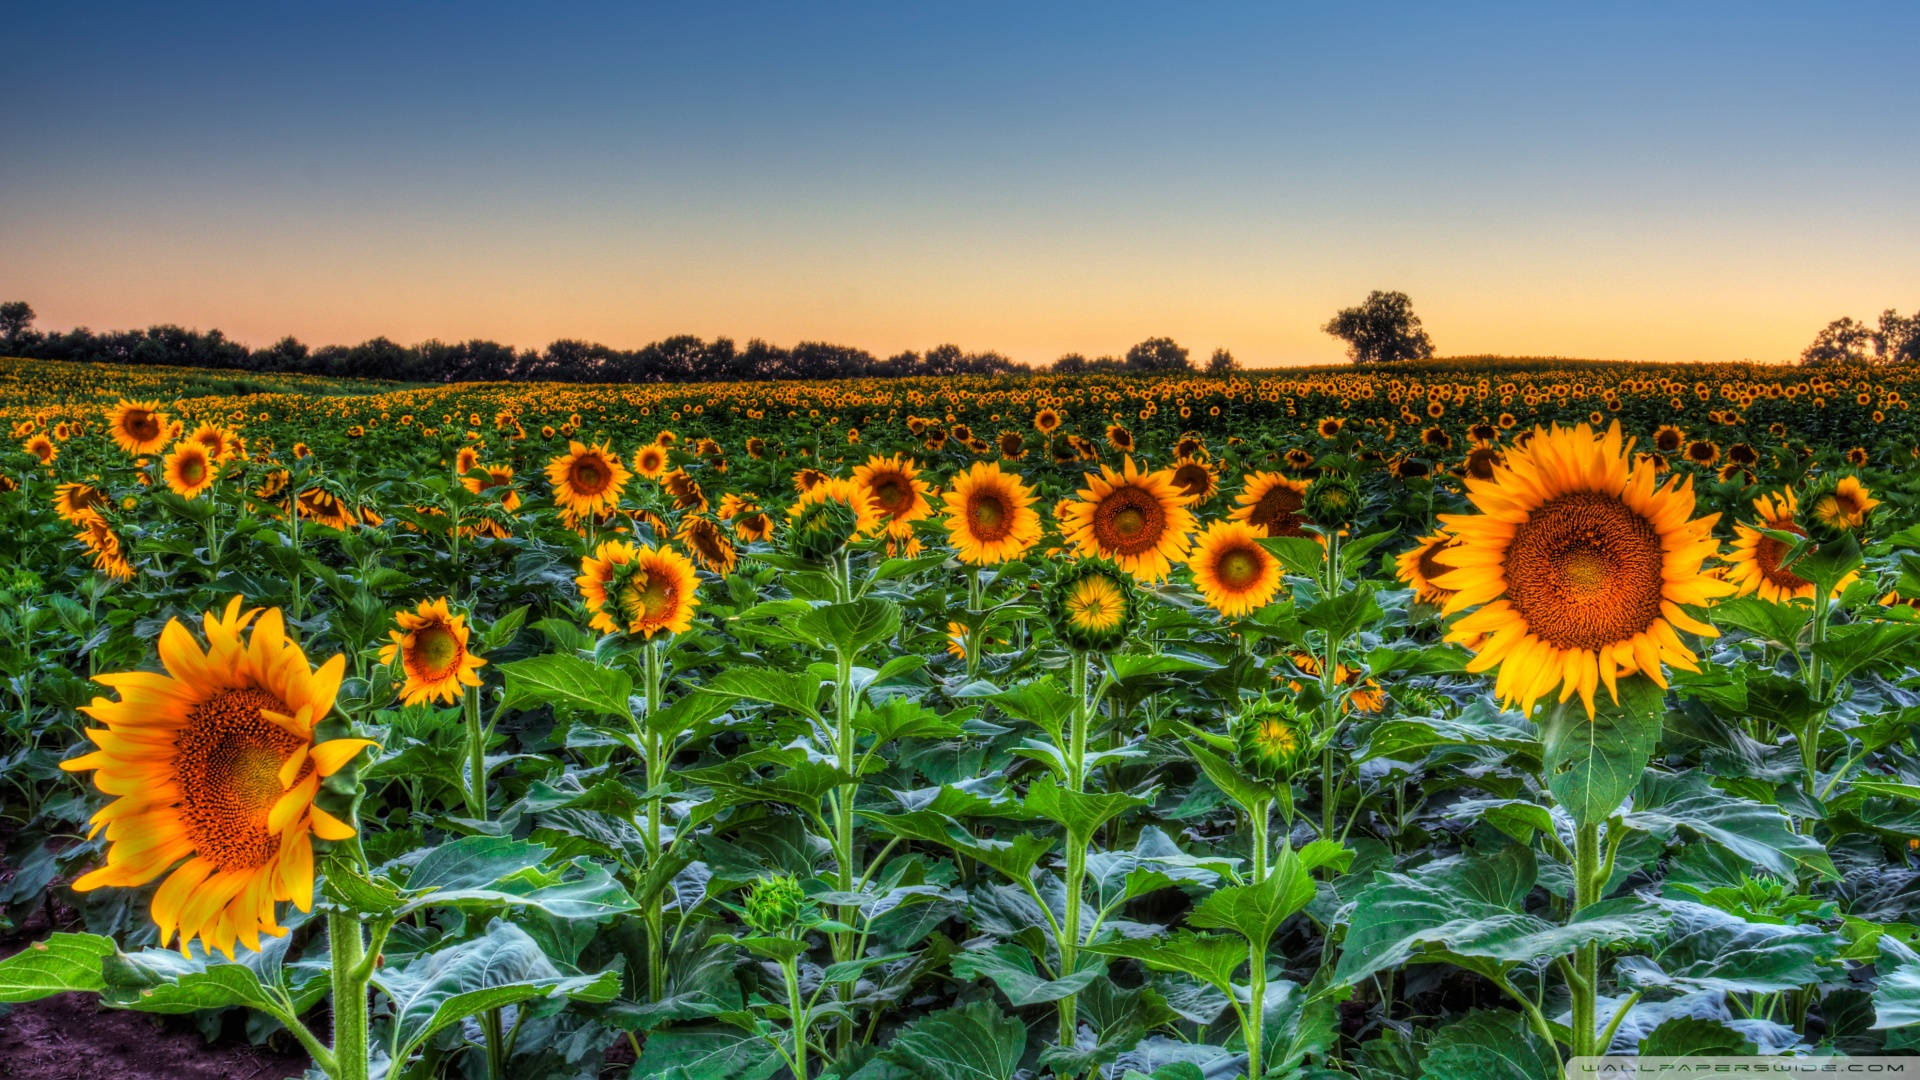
(656, 766)
(349, 996)
(1261, 811)
(476, 755)
(1815, 672)
(796, 1017)
(1587, 884)
(845, 856)
(1076, 749)
(1256, 1014)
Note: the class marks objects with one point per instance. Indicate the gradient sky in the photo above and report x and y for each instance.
(1664, 182)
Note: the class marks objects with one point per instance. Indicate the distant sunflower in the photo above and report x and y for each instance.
(1271, 502)
(587, 479)
(1579, 568)
(190, 469)
(1137, 519)
(42, 447)
(432, 646)
(753, 526)
(498, 480)
(1232, 571)
(139, 427)
(1120, 438)
(638, 589)
(1703, 452)
(215, 763)
(218, 440)
(1197, 478)
(1046, 421)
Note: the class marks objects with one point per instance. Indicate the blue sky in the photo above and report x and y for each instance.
(1668, 182)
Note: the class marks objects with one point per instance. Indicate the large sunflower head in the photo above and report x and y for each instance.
(139, 427)
(1137, 519)
(1092, 606)
(989, 515)
(587, 479)
(215, 763)
(1418, 567)
(1232, 570)
(190, 469)
(1271, 502)
(1579, 567)
(431, 645)
(638, 589)
(893, 486)
(1270, 740)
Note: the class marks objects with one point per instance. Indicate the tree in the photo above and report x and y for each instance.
(1382, 330)
(1157, 355)
(1222, 363)
(15, 317)
(1842, 341)
(1898, 339)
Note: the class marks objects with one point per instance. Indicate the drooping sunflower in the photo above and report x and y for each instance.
(1232, 570)
(139, 427)
(1272, 502)
(1417, 567)
(587, 479)
(707, 540)
(864, 518)
(77, 503)
(636, 589)
(466, 460)
(1579, 567)
(893, 486)
(190, 469)
(1137, 519)
(323, 506)
(215, 762)
(1753, 563)
(109, 556)
(498, 479)
(432, 646)
(1834, 507)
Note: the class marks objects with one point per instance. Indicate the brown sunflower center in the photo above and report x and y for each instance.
(988, 516)
(1430, 566)
(1768, 553)
(588, 476)
(227, 763)
(1192, 479)
(1480, 463)
(436, 650)
(1275, 512)
(1585, 571)
(891, 494)
(142, 425)
(1129, 521)
(193, 470)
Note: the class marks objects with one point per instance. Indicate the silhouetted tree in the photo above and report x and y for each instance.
(1382, 330)
(1070, 364)
(15, 317)
(1842, 340)
(1222, 363)
(1898, 339)
(1157, 355)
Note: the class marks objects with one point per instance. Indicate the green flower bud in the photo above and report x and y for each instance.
(774, 904)
(1092, 606)
(1332, 500)
(821, 530)
(1271, 741)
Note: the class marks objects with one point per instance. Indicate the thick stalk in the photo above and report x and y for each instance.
(1076, 749)
(1331, 584)
(1261, 812)
(1586, 986)
(790, 970)
(1255, 1033)
(349, 996)
(1815, 671)
(476, 755)
(845, 855)
(656, 777)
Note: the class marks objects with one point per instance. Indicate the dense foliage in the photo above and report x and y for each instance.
(973, 727)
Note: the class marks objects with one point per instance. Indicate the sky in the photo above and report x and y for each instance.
(1662, 182)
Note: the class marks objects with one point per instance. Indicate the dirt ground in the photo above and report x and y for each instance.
(70, 1037)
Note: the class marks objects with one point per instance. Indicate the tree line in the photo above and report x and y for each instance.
(1896, 340)
(1382, 329)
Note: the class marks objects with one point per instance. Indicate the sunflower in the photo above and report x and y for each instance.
(1579, 567)
(215, 763)
(1046, 421)
(1271, 502)
(1120, 438)
(78, 503)
(1842, 506)
(587, 479)
(1137, 519)
(1330, 426)
(218, 440)
(708, 542)
(41, 447)
(109, 556)
(326, 508)
(893, 486)
(466, 460)
(497, 479)
(1703, 452)
(432, 646)
(638, 589)
(139, 427)
(1754, 561)
(1270, 739)
(1418, 567)
(190, 469)
(1197, 478)
(650, 461)
(685, 491)
(753, 525)
(1230, 568)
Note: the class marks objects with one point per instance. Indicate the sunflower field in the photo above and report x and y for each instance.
(1443, 721)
